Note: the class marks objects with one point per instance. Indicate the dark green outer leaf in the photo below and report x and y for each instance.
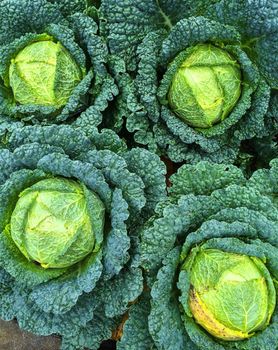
(165, 324)
(136, 333)
(23, 19)
(68, 7)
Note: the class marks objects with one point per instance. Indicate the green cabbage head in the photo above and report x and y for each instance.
(44, 73)
(55, 221)
(232, 296)
(206, 87)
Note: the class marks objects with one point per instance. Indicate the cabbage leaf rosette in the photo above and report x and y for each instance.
(211, 257)
(53, 65)
(70, 206)
(198, 75)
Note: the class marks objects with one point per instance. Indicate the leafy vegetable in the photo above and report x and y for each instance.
(92, 246)
(232, 296)
(65, 268)
(206, 87)
(44, 73)
(53, 65)
(56, 221)
(213, 249)
(200, 121)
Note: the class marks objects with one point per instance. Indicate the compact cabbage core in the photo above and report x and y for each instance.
(53, 222)
(231, 295)
(44, 73)
(206, 86)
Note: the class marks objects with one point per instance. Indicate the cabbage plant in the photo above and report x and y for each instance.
(68, 247)
(53, 65)
(198, 75)
(210, 256)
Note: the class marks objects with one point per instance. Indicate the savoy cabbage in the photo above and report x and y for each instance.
(68, 249)
(215, 236)
(92, 247)
(153, 39)
(53, 66)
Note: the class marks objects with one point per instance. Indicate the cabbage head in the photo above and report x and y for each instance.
(206, 86)
(44, 73)
(232, 296)
(55, 222)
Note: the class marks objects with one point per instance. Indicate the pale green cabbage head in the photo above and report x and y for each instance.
(44, 73)
(232, 296)
(206, 86)
(55, 221)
